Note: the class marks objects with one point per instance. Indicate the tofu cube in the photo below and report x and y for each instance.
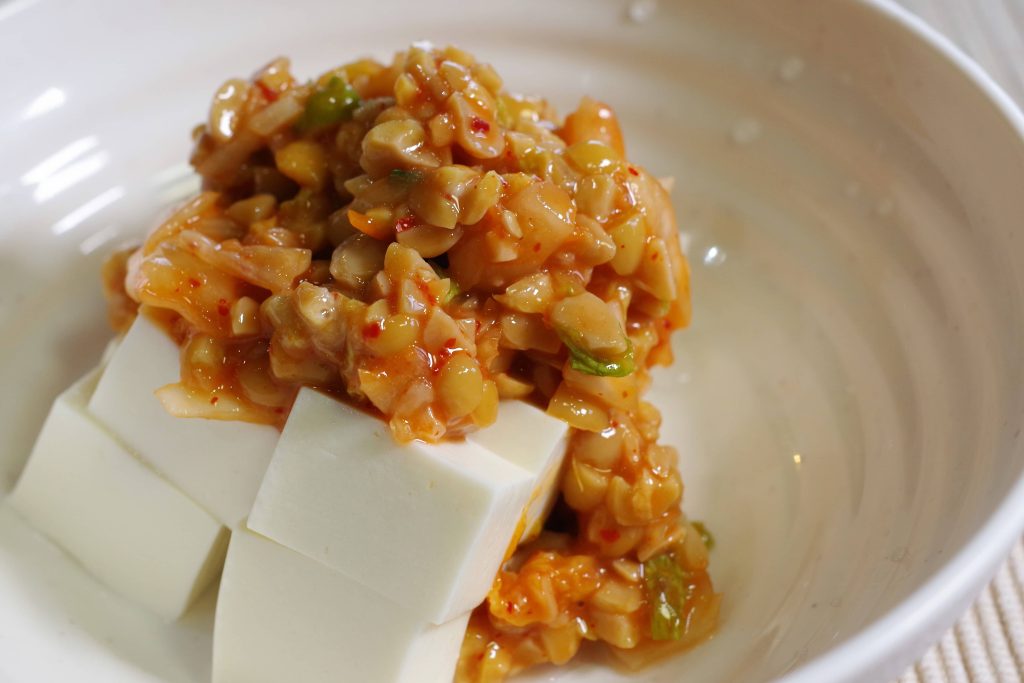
(126, 525)
(284, 617)
(426, 526)
(527, 436)
(218, 463)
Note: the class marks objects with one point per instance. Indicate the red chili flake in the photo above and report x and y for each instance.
(634, 171)
(269, 93)
(443, 354)
(404, 223)
(222, 307)
(478, 125)
(667, 324)
(213, 400)
(536, 247)
(654, 256)
(510, 606)
(193, 283)
(610, 535)
(425, 291)
(279, 411)
(372, 330)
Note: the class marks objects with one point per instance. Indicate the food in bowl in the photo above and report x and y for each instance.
(447, 299)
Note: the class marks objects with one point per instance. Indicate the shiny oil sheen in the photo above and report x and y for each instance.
(847, 402)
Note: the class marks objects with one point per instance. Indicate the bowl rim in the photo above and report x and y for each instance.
(897, 633)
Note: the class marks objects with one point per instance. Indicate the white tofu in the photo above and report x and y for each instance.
(527, 436)
(425, 526)
(218, 463)
(284, 617)
(126, 525)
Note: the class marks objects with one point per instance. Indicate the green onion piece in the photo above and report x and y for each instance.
(582, 360)
(453, 287)
(705, 535)
(335, 102)
(400, 176)
(453, 291)
(667, 592)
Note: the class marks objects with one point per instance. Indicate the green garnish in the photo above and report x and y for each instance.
(400, 176)
(335, 102)
(667, 592)
(453, 291)
(705, 535)
(453, 287)
(582, 360)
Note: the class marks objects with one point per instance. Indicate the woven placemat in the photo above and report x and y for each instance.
(987, 644)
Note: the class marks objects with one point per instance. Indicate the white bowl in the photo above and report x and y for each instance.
(847, 403)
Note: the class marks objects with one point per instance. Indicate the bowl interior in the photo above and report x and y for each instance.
(845, 404)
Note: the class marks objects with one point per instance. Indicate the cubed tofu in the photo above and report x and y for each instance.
(527, 436)
(427, 526)
(127, 526)
(218, 463)
(284, 617)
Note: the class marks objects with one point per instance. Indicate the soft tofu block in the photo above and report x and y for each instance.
(126, 525)
(218, 463)
(527, 436)
(427, 526)
(284, 617)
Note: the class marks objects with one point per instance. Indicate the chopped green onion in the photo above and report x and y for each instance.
(453, 291)
(667, 592)
(400, 176)
(705, 535)
(582, 360)
(335, 102)
(453, 287)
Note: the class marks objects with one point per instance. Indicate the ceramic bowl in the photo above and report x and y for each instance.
(847, 403)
